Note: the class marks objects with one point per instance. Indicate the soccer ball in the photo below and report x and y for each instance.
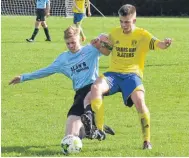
(71, 144)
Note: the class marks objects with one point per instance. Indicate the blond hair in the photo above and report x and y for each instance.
(71, 31)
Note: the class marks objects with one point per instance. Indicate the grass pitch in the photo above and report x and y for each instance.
(34, 113)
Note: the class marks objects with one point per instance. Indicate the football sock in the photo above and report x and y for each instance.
(46, 30)
(145, 123)
(36, 30)
(98, 108)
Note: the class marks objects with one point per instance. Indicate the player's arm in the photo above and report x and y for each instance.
(165, 43)
(103, 44)
(88, 7)
(44, 72)
(47, 10)
(155, 43)
(75, 6)
(101, 47)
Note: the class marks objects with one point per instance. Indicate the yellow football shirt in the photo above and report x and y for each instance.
(129, 51)
(81, 5)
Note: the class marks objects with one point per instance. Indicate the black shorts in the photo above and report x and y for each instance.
(78, 105)
(40, 14)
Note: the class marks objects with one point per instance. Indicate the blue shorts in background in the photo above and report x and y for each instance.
(78, 17)
(124, 83)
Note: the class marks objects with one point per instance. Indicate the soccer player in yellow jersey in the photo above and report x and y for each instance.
(79, 13)
(125, 73)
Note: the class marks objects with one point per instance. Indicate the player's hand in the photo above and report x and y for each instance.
(102, 41)
(15, 80)
(89, 13)
(96, 43)
(105, 42)
(167, 41)
(47, 14)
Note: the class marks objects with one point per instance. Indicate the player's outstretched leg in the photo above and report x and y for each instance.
(86, 119)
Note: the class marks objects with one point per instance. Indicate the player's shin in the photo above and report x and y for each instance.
(46, 30)
(98, 109)
(145, 123)
(35, 32)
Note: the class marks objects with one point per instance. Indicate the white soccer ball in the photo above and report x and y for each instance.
(71, 144)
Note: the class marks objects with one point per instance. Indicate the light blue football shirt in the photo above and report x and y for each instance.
(41, 4)
(81, 67)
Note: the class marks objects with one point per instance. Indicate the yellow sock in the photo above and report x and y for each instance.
(98, 108)
(145, 123)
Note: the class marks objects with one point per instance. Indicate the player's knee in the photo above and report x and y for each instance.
(87, 99)
(77, 24)
(140, 105)
(139, 101)
(37, 24)
(43, 24)
(95, 88)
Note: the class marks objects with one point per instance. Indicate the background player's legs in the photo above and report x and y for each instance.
(46, 30)
(35, 32)
(78, 17)
(144, 115)
(83, 37)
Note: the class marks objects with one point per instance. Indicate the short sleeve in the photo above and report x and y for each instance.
(151, 40)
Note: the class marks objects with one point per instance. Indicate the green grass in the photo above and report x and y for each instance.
(34, 113)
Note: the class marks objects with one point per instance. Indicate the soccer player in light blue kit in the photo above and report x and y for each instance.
(80, 64)
(42, 10)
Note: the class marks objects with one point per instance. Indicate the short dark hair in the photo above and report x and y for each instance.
(127, 9)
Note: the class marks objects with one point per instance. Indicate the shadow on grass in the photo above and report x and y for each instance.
(30, 151)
